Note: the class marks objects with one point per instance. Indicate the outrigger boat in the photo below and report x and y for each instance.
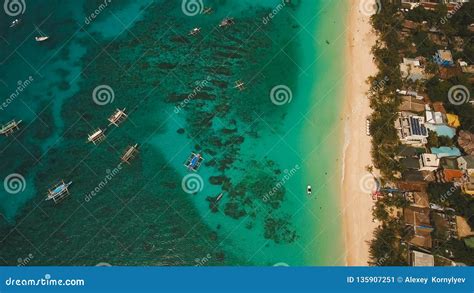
(207, 10)
(42, 37)
(239, 85)
(219, 197)
(227, 22)
(129, 154)
(15, 22)
(10, 127)
(58, 192)
(309, 190)
(194, 162)
(194, 31)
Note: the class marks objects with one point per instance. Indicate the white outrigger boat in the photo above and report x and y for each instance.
(194, 31)
(42, 37)
(227, 22)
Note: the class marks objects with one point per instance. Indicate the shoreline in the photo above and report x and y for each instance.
(357, 203)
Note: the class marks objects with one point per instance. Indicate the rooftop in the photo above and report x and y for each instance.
(445, 55)
(420, 259)
(449, 163)
(439, 107)
(429, 160)
(417, 217)
(410, 163)
(412, 185)
(453, 120)
(411, 104)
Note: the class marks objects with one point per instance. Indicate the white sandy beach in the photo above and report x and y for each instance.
(356, 202)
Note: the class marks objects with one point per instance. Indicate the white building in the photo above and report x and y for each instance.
(429, 162)
(411, 129)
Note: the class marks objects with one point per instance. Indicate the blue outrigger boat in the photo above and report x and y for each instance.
(194, 162)
(59, 191)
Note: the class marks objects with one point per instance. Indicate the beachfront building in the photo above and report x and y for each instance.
(468, 185)
(428, 162)
(413, 186)
(449, 171)
(411, 129)
(411, 104)
(406, 151)
(434, 117)
(432, 4)
(466, 163)
(437, 121)
(420, 259)
(466, 141)
(418, 199)
(418, 219)
(453, 120)
(412, 69)
(411, 94)
(444, 58)
(409, 163)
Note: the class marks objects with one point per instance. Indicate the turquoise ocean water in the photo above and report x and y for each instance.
(179, 93)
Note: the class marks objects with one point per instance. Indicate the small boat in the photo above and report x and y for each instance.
(219, 197)
(227, 22)
(239, 85)
(195, 31)
(15, 22)
(207, 10)
(194, 161)
(309, 190)
(59, 191)
(42, 37)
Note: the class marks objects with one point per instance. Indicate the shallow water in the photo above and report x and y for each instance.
(180, 97)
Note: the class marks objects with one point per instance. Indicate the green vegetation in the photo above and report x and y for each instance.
(385, 249)
(433, 30)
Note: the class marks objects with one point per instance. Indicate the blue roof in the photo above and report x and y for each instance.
(446, 152)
